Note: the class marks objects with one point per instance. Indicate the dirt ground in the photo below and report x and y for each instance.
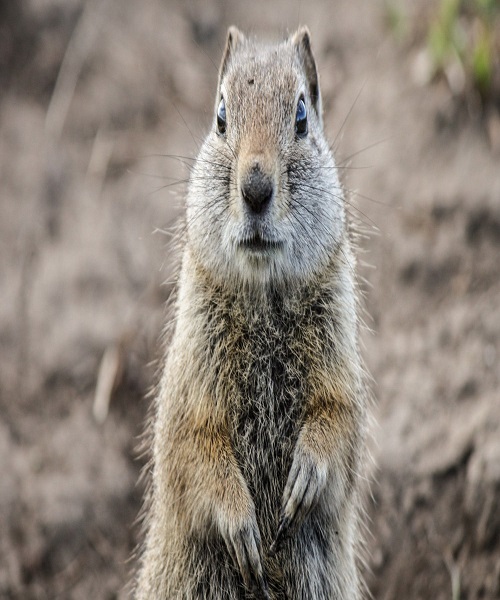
(95, 98)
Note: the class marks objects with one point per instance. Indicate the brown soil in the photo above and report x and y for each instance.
(94, 98)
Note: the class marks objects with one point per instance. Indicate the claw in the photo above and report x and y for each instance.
(262, 591)
(244, 546)
(281, 535)
(305, 483)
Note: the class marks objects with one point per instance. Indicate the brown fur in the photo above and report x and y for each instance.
(260, 415)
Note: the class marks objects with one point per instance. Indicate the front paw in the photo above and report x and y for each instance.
(243, 542)
(306, 481)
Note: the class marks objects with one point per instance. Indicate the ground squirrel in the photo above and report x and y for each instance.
(260, 413)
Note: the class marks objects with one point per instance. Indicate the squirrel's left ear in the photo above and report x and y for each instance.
(301, 39)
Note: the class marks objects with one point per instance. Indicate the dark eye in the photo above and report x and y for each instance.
(221, 117)
(301, 119)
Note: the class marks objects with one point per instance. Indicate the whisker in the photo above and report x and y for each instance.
(332, 145)
(340, 199)
(374, 200)
(323, 228)
(197, 141)
(181, 158)
(369, 147)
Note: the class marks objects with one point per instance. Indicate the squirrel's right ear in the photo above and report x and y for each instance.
(234, 39)
(301, 39)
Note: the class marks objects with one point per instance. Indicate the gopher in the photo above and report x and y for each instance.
(259, 423)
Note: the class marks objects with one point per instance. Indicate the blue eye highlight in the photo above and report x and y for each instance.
(301, 118)
(221, 117)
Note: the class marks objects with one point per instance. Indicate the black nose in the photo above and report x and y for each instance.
(257, 189)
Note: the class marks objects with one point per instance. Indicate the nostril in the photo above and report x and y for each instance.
(257, 190)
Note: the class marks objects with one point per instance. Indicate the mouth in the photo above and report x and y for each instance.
(257, 243)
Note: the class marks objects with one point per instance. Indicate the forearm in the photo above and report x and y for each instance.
(332, 432)
(196, 470)
(326, 457)
(199, 472)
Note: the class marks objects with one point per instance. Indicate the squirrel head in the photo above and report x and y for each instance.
(300, 41)
(264, 203)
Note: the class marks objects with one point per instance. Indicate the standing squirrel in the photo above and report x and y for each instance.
(259, 427)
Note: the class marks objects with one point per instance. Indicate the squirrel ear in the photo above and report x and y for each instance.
(234, 39)
(301, 39)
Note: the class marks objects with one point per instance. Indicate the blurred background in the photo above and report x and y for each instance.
(103, 104)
